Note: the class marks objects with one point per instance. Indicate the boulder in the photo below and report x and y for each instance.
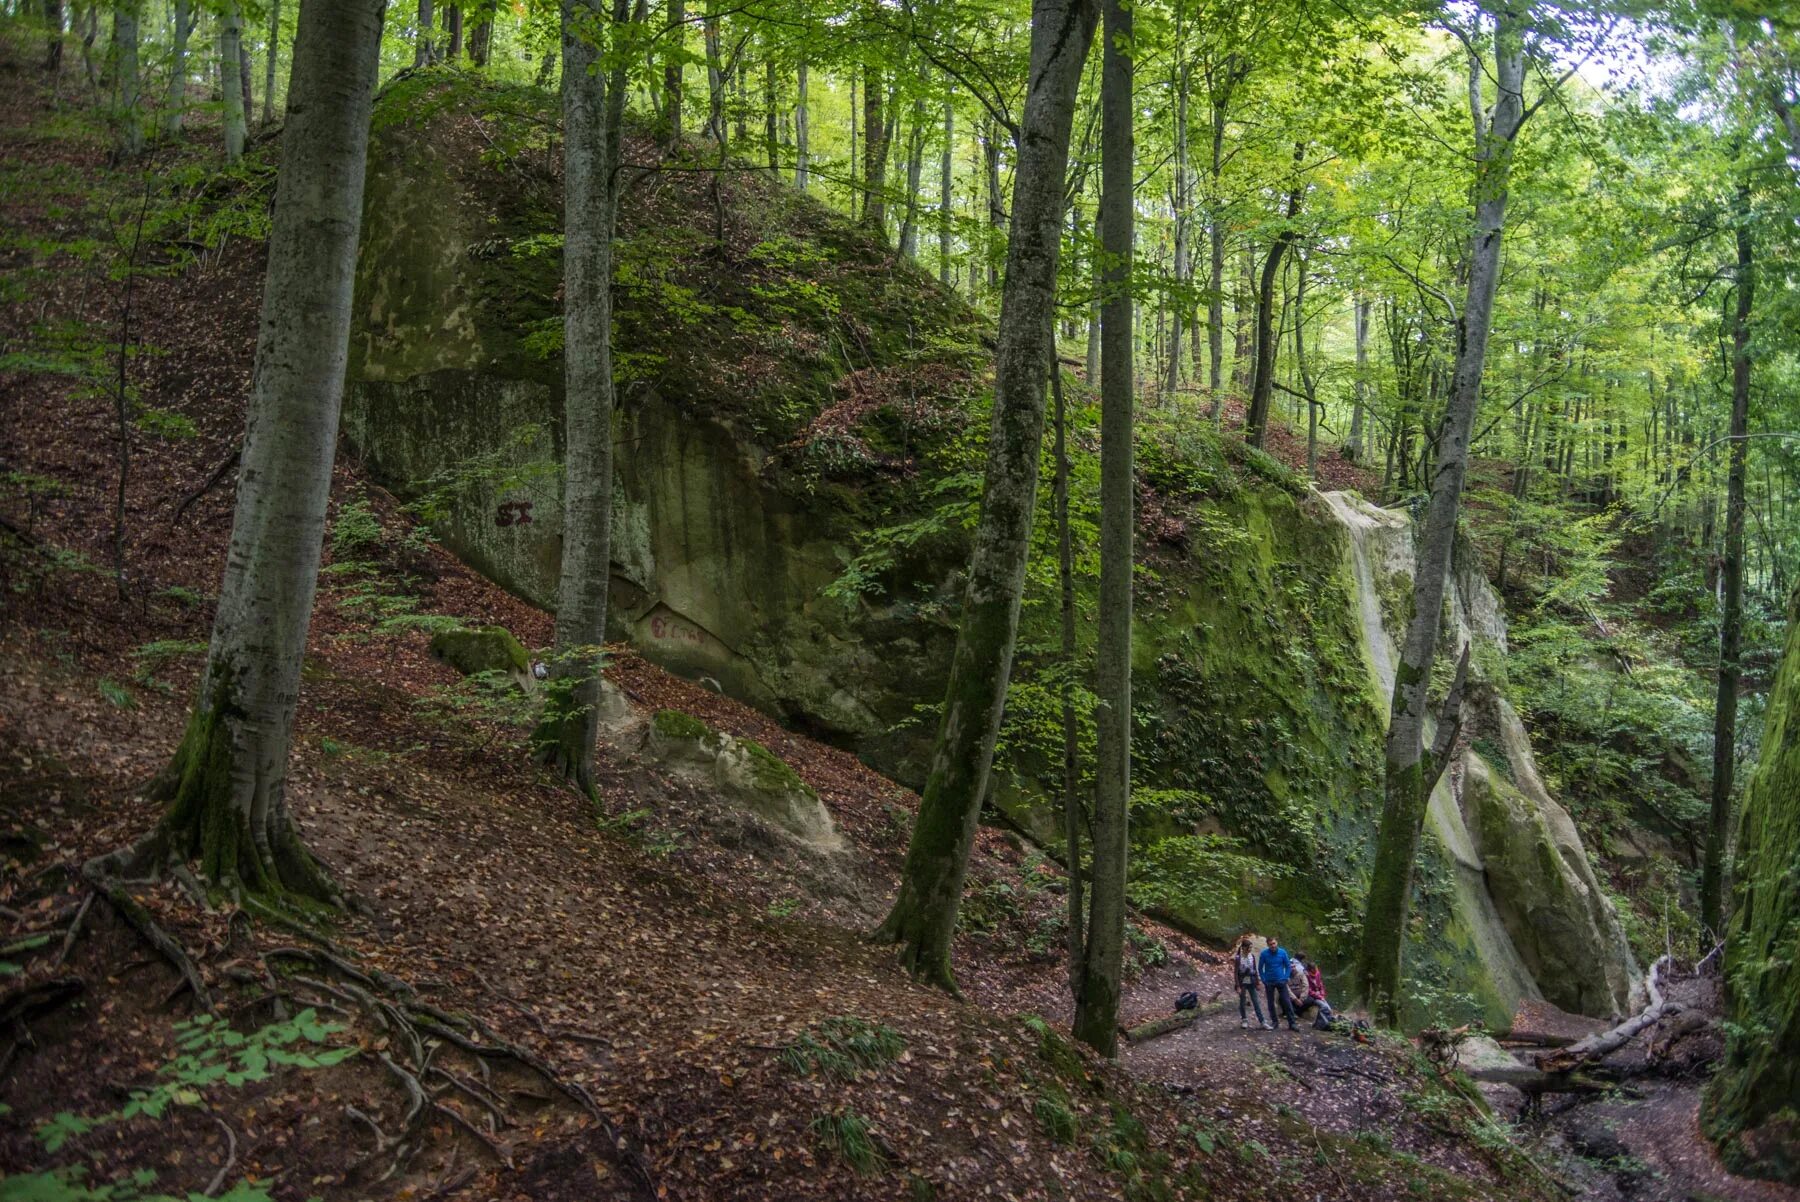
(744, 772)
(475, 649)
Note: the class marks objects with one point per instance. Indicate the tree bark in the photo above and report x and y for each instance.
(245, 76)
(675, 29)
(175, 99)
(453, 32)
(1411, 774)
(269, 61)
(424, 47)
(800, 132)
(990, 161)
(1184, 217)
(53, 41)
(945, 195)
(227, 782)
(875, 153)
(1353, 447)
(1097, 1002)
(923, 919)
(915, 168)
(1073, 819)
(1731, 618)
(715, 73)
(1215, 277)
(231, 70)
(593, 124)
(123, 54)
(1262, 383)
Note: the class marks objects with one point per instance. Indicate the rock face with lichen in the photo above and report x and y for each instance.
(778, 392)
(743, 771)
(739, 363)
(1752, 1107)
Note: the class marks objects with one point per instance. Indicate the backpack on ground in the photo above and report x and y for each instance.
(1187, 1001)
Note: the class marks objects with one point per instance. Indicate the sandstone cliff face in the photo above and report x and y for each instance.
(1753, 1105)
(1263, 648)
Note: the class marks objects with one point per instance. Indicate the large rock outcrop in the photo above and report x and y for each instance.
(790, 388)
(1752, 1107)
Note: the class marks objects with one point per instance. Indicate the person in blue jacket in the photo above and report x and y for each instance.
(1274, 966)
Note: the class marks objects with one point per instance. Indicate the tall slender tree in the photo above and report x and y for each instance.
(923, 918)
(270, 57)
(1412, 769)
(175, 99)
(122, 55)
(227, 783)
(1731, 586)
(231, 70)
(675, 34)
(593, 123)
(1097, 1002)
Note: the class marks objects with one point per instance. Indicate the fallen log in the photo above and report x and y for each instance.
(1533, 1039)
(1605, 1043)
(1175, 1022)
(1528, 1080)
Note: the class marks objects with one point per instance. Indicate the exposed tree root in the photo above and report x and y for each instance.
(138, 919)
(230, 1158)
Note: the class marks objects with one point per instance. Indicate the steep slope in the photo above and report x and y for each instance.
(801, 424)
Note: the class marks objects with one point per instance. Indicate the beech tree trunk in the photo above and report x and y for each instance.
(915, 168)
(675, 30)
(1073, 819)
(1096, 1020)
(1215, 277)
(875, 153)
(800, 132)
(1411, 773)
(1184, 218)
(1731, 573)
(175, 99)
(946, 176)
(990, 167)
(715, 74)
(227, 782)
(245, 75)
(593, 123)
(424, 48)
(269, 60)
(923, 919)
(123, 55)
(1353, 447)
(231, 72)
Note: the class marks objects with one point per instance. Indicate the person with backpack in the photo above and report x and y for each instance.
(1243, 964)
(1275, 966)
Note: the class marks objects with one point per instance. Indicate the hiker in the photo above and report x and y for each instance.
(1274, 966)
(1243, 963)
(1299, 985)
(1315, 989)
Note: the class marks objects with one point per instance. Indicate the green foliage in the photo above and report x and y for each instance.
(210, 1053)
(848, 1134)
(1053, 1114)
(71, 1185)
(117, 694)
(843, 1047)
(1206, 872)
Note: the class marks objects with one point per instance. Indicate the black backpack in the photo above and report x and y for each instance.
(1187, 1001)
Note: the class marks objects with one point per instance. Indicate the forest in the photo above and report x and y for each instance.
(779, 599)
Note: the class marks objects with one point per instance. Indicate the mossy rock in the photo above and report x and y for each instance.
(673, 724)
(475, 649)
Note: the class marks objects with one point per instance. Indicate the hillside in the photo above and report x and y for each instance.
(671, 995)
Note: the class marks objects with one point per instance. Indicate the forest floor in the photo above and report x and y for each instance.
(535, 1001)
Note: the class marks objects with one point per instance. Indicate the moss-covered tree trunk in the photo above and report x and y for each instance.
(1097, 1001)
(1411, 772)
(1731, 582)
(227, 783)
(1752, 1107)
(593, 121)
(923, 919)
